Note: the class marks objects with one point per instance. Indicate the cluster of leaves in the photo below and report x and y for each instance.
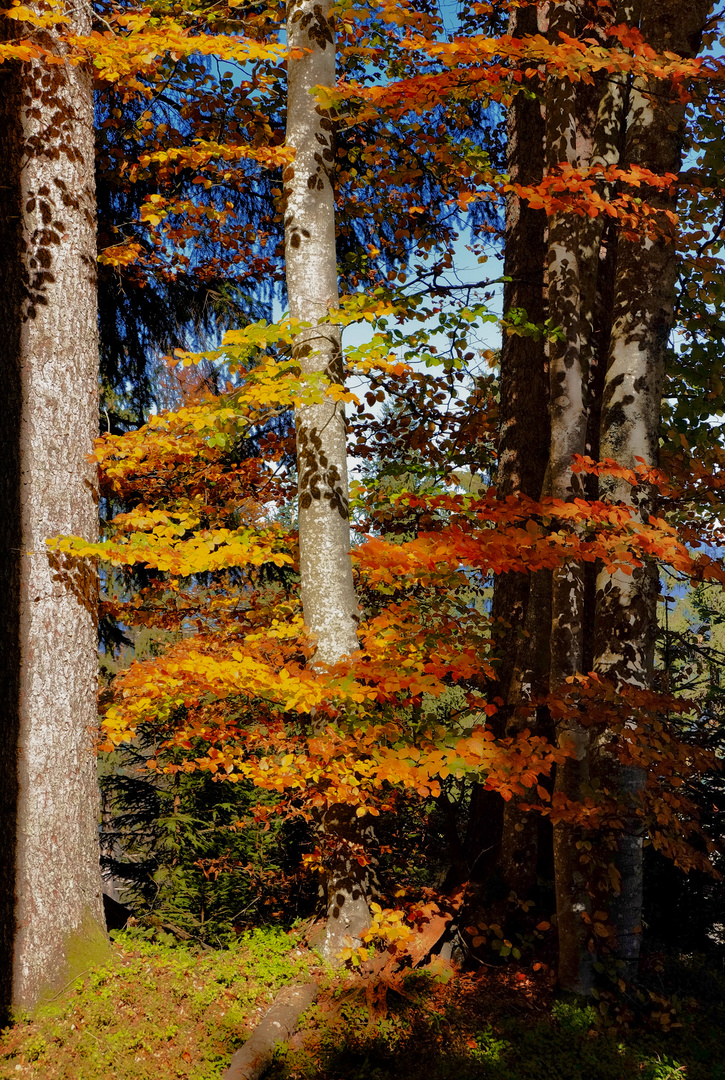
(200, 532)
(231, 698)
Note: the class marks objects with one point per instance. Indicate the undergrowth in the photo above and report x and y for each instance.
(502, 1024)
(162, 1011)
(155, 1011)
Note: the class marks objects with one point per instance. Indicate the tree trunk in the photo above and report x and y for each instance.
(584, 124)
(641, 323)
(51, 919)
(498, 833)
(328, 595)
(568, 375)
(612, 299)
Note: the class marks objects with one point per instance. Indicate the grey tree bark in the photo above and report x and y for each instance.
(583, 128)
(635, 124)
(568, 375)
(643, 311)
(613, 299)
(276, 1027)
(51, 912)
(328, 593)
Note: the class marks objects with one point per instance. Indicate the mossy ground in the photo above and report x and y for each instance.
(154, 1011)
(161, 1011)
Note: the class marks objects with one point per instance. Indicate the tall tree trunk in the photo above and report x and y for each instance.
(51, 914)
(328, 594)
(569, 375)
(613, 299)
(499, 833)
(641, 323)
(584, 128)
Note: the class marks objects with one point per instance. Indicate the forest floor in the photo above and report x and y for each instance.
(159, 1010)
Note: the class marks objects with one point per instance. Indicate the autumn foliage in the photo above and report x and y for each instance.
(200, 540)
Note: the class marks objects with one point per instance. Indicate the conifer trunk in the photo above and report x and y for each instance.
(328, 595)
(51, 913)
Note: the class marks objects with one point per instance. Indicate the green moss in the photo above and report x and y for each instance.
(85, 948)
(175, 1012)
(152, 1010)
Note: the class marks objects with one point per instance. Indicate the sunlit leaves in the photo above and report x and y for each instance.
(207, 542)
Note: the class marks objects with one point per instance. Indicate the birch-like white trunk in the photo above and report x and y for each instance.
(51, 913)
(328, 595)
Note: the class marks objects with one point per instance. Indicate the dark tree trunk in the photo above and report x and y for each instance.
(523, 451)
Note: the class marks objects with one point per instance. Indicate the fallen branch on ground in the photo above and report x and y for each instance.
(276, 1026)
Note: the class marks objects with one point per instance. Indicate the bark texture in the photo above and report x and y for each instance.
(612, 299)
(498, 833)
(328, 594)
(569, 373)
(579, 118)
(642, 316)
(51, 921)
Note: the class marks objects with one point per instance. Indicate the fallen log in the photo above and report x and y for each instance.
(276, 1026)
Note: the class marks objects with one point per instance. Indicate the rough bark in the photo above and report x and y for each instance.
(51, 919)
(642, 318)
(328, 594)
